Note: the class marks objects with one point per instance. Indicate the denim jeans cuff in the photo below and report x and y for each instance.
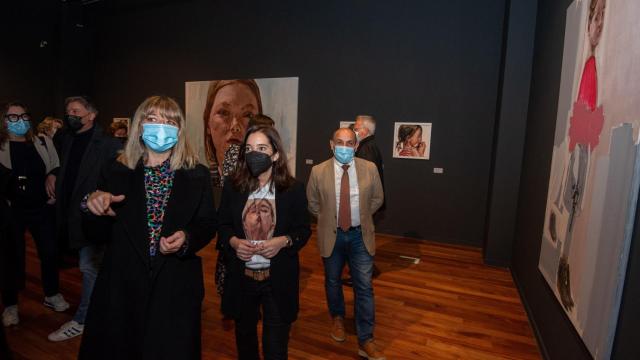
(366, 339)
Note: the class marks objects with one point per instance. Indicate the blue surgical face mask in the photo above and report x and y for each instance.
(344, 154)
(18, 128)
(159, 137)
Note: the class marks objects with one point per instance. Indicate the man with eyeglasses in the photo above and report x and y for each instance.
(84, 148)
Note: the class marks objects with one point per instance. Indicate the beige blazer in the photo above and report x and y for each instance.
(321, 194)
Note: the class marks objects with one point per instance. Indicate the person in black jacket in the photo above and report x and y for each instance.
(156, 202)
(84, 149)
(365, 129)
(32, 161)
(263, 225)
(5, 352)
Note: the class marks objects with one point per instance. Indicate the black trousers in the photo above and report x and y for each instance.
(275, 332)
(41, 223)
(5, 353)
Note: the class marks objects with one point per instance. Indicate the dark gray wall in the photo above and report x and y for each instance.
(511, 121)
(76, 60)
(431, 61)
(625, 344)
(27, 69)
(555, 333)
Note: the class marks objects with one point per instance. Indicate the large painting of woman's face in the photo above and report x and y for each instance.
(232, 107)
(218, 113)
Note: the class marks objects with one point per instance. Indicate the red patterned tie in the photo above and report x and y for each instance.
(344, 215)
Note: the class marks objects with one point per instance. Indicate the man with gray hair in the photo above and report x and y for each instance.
(84, 149)
(365, 129)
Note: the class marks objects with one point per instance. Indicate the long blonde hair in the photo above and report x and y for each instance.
(182, 154)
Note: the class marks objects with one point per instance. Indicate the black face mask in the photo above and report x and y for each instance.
(257, 162)
(74, 122)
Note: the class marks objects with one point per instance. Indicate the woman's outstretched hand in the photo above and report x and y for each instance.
(99, 203)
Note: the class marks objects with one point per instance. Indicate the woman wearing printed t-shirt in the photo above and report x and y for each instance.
(263, 225)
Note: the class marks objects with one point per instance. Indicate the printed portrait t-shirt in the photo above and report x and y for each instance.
(259, 221)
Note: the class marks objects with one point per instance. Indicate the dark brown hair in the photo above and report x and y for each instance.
(405, 132)
(242, 179)
(261, 120)
(4, 134)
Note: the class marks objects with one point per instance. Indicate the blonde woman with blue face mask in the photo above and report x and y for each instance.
(156, 203)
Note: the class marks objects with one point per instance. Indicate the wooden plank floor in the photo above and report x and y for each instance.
(449, 306)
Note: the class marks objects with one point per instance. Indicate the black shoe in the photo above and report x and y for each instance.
(376, 272)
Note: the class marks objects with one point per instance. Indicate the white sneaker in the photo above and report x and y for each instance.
(67, 331)
(10, 316)
(56, 302)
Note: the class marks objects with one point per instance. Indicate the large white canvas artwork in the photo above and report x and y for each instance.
(593, 184)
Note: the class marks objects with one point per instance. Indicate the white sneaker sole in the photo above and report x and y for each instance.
(66, 337)
(54, 308)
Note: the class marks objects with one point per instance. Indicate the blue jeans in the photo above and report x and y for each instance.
(90, 260)
(350, 248)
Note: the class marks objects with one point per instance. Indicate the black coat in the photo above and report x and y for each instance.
(4, 222)
(102, 149)
(144, 308)
(292, 218)
(368, 150)
(4, 235)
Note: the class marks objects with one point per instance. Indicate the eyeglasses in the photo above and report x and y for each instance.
(156, 120)
(16, 117)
